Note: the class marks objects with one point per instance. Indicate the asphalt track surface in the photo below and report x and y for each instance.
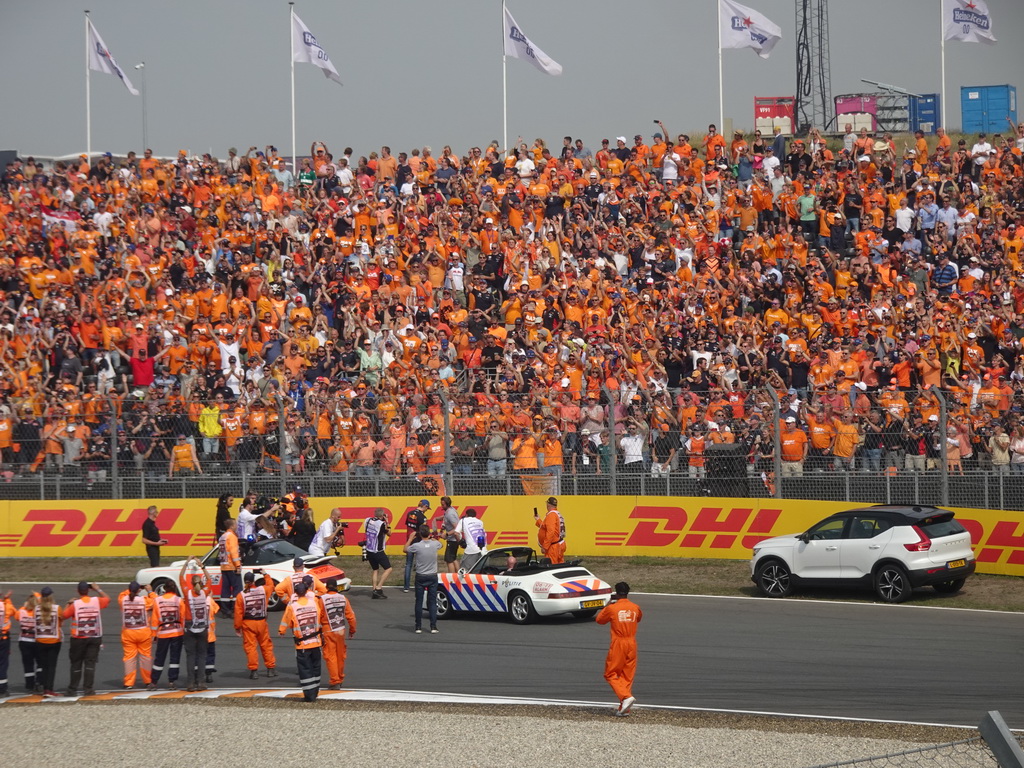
(800, 657)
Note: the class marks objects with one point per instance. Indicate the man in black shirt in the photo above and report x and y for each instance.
(151, 537)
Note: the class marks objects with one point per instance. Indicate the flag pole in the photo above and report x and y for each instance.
(88, 97)
(291, 38)
(504, 84)
(721, 87)
(942, 39)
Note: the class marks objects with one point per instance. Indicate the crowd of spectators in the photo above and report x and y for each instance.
(529, 309)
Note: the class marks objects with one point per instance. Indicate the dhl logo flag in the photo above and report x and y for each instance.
(595, 525)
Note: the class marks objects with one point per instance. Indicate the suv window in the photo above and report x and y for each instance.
(867, 527)
(828, 529)
(943, 528)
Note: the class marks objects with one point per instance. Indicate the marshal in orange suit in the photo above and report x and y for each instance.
(620, 665)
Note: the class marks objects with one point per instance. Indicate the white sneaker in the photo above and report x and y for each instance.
(435, 631)
(419, 631)
(627, 705)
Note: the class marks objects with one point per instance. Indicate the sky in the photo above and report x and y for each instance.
(429, 72)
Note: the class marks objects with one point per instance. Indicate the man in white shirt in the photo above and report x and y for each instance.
(979, 155)
(325, 534)
(670, 168)
(770, 162)
(471, 530)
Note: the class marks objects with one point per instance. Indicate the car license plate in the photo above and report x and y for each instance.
(956, 563)
(592, 604)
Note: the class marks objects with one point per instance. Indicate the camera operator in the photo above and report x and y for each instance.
(324, 538)
(377, 531)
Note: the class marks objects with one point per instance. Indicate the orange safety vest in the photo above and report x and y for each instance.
(167, 616)
(306, 622)
(49, 631)
(133, 611)
(334, 607)
(86, 621)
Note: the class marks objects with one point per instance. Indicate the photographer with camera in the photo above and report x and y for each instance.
(424, 550)
(377, 532)
(326, 534)
(414, 520)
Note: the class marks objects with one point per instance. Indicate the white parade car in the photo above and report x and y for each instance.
(512, 580)
(267, 557)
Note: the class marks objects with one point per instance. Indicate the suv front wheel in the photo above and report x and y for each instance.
(773, 578)
(892, 585)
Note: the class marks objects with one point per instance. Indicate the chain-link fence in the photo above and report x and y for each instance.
(968, 753)
(962, 447)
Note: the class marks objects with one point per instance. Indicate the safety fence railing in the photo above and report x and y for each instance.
(960, 447)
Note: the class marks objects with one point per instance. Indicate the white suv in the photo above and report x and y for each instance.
(890, 548)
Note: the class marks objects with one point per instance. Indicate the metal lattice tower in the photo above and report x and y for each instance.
(814, 105)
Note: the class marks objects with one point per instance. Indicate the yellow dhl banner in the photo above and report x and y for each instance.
(655, 526)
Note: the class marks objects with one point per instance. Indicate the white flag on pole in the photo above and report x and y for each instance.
(518, 46)
(308, 50)
(969, 22)
(743, 27)
(100, 60)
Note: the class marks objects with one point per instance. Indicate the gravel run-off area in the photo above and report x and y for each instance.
(254, 733)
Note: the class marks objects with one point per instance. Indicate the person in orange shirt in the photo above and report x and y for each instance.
(794, 448)
(251, 624)
(305, 616)
(340, 618)
(86, 636)
(551, 533)
(7, 610)
(230, 564)
(136, 636)
(620, 664)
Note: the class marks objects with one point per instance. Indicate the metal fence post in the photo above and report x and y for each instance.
(281, 431)
(776, 441)
(613, 448)
(115, 475)
(1001, 741)
(943, 463)
(447, 432)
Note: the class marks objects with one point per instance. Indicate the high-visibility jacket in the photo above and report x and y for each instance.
(26, 625)
(286, 589)
(48, 631)
(135, 610)
(166, 618)
(552, 529)
(305, 617)
(86, 620)
(251, 603)
(227, 545)
(7, 610)
(198, 612)
(339, 613)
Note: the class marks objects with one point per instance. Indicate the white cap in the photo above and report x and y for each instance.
(712, 425)
(972, 335)
(790, 420)
(621, 138)
(861, 385)
(488, 221)
(933, 417)
(864, 159)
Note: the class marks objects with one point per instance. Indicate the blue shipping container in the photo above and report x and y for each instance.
(925, 112)
(985, 108)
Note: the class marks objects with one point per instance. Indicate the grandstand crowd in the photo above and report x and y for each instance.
(527, 309)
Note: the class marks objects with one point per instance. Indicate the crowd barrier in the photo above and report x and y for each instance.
(684, 527)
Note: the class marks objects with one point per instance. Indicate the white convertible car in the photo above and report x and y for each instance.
(268, 557)
(512, 580)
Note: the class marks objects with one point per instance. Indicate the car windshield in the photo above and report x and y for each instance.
(827, 529)
(274, 551)
(501, 560)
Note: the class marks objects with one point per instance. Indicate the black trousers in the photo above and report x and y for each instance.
(154, 556)
(28, 662)
(5, 662)
(165, 645)
(308, 662)
(47, 655)
(195, 655)
(83, 652)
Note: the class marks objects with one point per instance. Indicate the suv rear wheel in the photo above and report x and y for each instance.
(773, 578)
(892, 585)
